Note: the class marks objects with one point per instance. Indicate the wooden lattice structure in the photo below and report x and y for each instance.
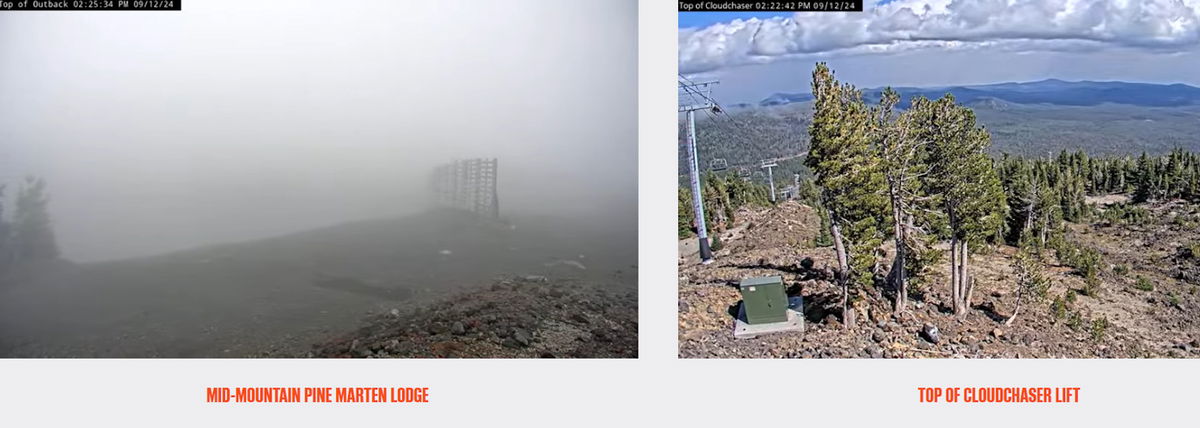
(468, 184)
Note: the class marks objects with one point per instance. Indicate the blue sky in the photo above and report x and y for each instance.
(704, 19)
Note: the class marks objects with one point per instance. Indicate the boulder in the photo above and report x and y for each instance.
(930, 333)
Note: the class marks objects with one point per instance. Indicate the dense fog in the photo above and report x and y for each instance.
(230, 121)
(249, 179)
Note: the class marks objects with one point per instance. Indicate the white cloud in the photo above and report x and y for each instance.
(1011, 25)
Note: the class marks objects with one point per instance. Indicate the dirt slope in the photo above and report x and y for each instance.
(778, 242)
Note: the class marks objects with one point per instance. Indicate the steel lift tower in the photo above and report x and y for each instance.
(767, 164)
(691, 90)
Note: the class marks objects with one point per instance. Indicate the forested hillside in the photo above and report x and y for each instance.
(1029, 129)
(748, 136)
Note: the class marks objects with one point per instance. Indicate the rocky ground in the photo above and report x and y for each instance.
(1118, 322)
(518, 317)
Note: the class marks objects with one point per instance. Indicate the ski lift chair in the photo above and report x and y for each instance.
(718, 165)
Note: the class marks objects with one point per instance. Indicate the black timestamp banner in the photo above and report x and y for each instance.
(85, 5)
(770, 6)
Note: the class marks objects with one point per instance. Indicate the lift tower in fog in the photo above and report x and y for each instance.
(468, 185)
(691, 90)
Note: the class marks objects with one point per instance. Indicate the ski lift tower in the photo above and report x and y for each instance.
(689, 91)
(468, 185)
(767, 164)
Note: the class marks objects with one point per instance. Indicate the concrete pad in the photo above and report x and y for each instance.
(795, 321)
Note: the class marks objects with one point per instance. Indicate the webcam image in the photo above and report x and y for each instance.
(932, 179)
(245, 179)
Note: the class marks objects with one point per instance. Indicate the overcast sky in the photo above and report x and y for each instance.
(232, 120)
(945, 42)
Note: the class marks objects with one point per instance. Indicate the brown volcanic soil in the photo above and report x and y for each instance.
(1158, 323)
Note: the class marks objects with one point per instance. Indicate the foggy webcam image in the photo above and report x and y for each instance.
(450, 179)
(941, 179)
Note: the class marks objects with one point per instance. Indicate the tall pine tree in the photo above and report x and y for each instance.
(902, 160)
(962, 176)
(850, 177)
(32, 233)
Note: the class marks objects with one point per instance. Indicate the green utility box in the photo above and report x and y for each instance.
(764, 300)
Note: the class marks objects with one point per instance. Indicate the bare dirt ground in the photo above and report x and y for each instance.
(1105, 200)
(1119, 322)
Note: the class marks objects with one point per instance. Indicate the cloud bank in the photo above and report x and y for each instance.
(904, 25)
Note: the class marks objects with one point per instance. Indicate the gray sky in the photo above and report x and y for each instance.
(242, 119)
(948, 42)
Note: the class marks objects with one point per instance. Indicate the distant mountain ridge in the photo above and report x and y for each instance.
(1049, 91)
(1029, 119)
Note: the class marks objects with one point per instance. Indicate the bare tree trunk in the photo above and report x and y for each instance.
(969, 282)
(843, 273)
(963, 281)
(1045, 224)
(1017, 309)
(901, 283)
(954, 273)
(1028, 222)
(970, 290)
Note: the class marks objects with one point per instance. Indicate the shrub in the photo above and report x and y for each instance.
(1059, 307)
(1186, 221)
(1120, 269)
(1085, 260)
(1075, 320)
(1091, 286)
(1088, 263)
(1126, 214)
(1143, 284)
(1099, 325)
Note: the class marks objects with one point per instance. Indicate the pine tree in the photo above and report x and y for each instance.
(33, 236)
(6, 250)
(1030, 280)
(686, 218)
(962, 174)
(903, 164)
(1144, 184)
(1020, 189)
(1049, 215)
(851, 181)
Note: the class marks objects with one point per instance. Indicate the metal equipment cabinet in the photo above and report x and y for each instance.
(764, 300)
